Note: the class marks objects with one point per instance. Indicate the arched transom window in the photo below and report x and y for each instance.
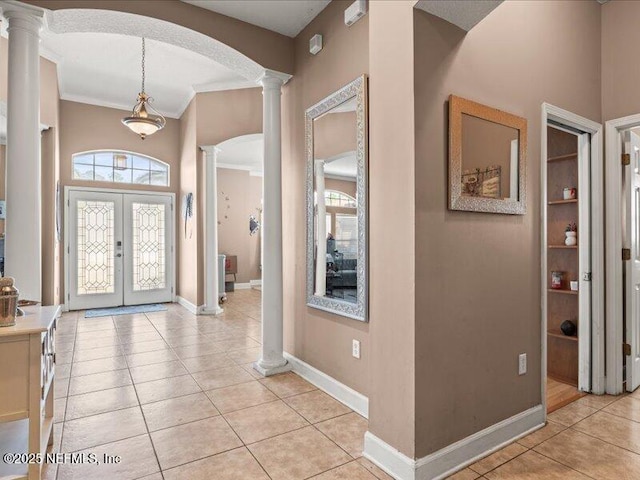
(120, 167)
(333, 198)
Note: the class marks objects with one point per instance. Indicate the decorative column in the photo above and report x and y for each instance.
(272, 360)
(23, 247)
(321, 227)
(211, 297)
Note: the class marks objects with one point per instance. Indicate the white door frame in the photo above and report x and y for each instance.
(569, 119)
(613, 190)
(67, 239)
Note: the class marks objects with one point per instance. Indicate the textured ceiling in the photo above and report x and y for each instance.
(287, 17)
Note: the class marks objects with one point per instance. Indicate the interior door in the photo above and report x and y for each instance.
(95, 224)
(147, 249)
(631, 237)
(584, 262)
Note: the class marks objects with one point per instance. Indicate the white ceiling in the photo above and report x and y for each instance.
(242, 153)
(463, 13)
(343, 166)
(104, 69)
(287, 17)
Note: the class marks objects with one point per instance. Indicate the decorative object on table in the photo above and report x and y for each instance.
(573, 284)
(8, 302)
(569, 193)
(482, 182)
(556, 280)
(487, 159)
(571, 233)
(187, 211)
(144, 120)
(254, 225)
(568, 328)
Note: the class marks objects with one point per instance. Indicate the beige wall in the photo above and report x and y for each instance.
(320, 339)
(51, 248)
(269, 49)
(239, 196)
(86, 127)
(188, 244)
(486, 144)
(334, 134)
(228, 114)
(341, 186)
(478, 275)
(620, 67)
(391, 224)
(210, 119)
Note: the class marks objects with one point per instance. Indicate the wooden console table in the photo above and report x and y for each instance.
(27, 368)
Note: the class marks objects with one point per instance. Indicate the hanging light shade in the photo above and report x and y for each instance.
(144, 120)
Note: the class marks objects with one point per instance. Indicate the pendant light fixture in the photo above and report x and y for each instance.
(144, 120)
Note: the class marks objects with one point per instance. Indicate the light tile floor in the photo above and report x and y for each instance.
(175, 396)
(595, 437)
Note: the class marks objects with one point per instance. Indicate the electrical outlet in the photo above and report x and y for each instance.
(355, 350)
(522, 364)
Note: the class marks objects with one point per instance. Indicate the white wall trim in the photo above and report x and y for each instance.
(352, 399)
(597, 344)
(615, 287)
(242, 286)
(189, 306)
(456, 456)
(255, 283)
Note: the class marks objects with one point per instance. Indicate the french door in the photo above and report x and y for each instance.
(631, 264)
(120, 249)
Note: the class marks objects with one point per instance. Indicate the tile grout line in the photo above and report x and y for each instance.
(221, 415)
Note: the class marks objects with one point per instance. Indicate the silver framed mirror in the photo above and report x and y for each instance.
(336, 131)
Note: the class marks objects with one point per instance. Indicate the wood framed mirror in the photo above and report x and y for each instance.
(487, 159)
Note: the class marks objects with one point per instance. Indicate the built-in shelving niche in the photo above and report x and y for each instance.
(562, 171)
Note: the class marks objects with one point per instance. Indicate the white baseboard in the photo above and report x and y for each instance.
(456, 456)
(352, 399)
(242, 286)
(189, 306)
(256, 283)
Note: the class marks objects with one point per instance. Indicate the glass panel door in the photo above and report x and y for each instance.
(147, 265)
(120, 249)
(96, 270)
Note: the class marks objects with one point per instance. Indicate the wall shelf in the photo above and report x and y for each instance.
(563, 202)
(563, 291)
(558, 334)
(559, 158)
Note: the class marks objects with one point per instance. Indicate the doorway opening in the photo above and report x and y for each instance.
(572, 267)
(119, 248)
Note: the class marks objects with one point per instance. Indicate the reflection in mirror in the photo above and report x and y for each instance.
(335, 222)
(336, 147)
(489, 159)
